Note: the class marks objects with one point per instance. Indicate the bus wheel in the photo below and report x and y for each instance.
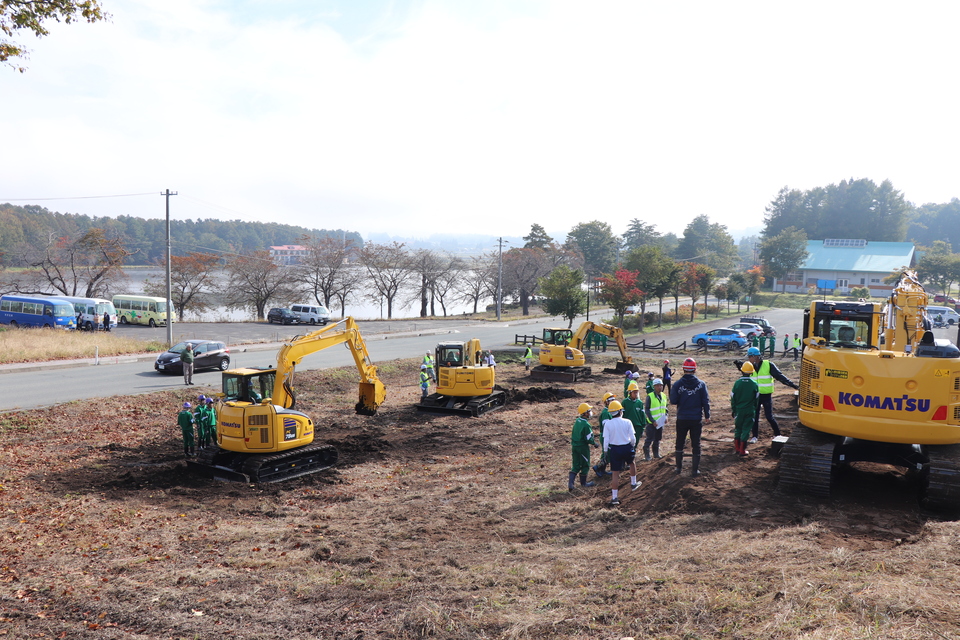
(88, 326)
(153, 324)
(123, 319)
(13, 323)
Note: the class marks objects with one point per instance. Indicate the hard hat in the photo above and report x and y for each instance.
(657, 381)
(202, 397)
(689, 365)
(209, 400)
(186, 405)
(607, 396)
(633, 386)
(747, 367)
(583, 408)
(666, 362)
(423, 366)
(615, 406)
(629, 374)
(753, 351)
(635, 375)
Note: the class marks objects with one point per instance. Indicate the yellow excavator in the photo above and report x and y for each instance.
(561, 352)
(876, 386)
(464, 385)
(261, 436)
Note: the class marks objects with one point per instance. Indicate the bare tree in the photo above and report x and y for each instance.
(427, 265)
(388, 268)
(475, 281)
(254, 280)
(322, 271)
(445, 286)
(193, 280)
(87, 266)
(522, 269)
(349, 281)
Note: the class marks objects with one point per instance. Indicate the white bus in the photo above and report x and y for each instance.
(90, 312)
(142, 310)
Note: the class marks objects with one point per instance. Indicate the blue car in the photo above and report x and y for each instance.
(727, 338)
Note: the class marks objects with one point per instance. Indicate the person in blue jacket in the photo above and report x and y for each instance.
(690, 395)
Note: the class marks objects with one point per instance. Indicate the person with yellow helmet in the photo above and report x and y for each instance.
(581, 439)
(633, 409)
(620, 445)
(743, 404)
(764, 373)
(601, 467)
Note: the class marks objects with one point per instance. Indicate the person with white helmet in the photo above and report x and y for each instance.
(428, 360)
(655, 409)
(743, 404)
(693, 411)
(764, 373)
(424, 382)
(185, 420)
(581, 439)
(620, 445)
(601, 467)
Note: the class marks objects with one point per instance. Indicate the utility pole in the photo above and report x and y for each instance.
(169, 285)
(499, 277)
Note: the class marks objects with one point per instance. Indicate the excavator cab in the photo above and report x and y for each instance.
(248, 385)
(559, 337)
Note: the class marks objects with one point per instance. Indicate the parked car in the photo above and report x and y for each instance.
(283, 316)
(207, 354)
(760, 320)
(311, 313)
(632, 309)
(748, 329)
(942, 298)
(727, 338)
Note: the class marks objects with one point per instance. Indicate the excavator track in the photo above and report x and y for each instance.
(560, 374)
(806, 462)
(254, 468)
(468, 407)
(942, 485)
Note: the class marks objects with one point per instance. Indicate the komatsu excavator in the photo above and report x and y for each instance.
(876, 386)
(464, 386)
(261, 436)
(561, 352)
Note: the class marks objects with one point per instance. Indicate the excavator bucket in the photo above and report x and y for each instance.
(372, 395)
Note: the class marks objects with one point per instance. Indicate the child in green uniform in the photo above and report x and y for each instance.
(633, 410)
(743, 404)
(200, 419)
(581, 439)
(211, 420)
(185, 420)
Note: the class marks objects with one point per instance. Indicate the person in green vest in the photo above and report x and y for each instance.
(795, 345)
(656, 411)
(428, 360)
(601, 467)
(633, 410)
(424, 383)
(581, 439)
(743, 404)
(528, 357)
(764, 373)
(185, 420)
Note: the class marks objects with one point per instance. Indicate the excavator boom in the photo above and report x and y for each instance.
(561, 354)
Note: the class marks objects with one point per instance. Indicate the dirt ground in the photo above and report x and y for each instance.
(436, 526)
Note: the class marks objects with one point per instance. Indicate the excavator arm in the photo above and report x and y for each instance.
(580, 337)
(372, 391)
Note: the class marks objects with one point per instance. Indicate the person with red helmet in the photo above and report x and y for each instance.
(692, 399)
(667, 376)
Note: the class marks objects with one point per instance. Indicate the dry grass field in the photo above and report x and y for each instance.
(442, 527)
(35, 345)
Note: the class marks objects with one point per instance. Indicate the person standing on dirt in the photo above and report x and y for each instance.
(186, 359)
(693, 411)
(490, 362)
(200, 419)
(743, 405)
(627, 379)
(764, 373)
(795, 345)
(424, 383)
(633, 409)
(185, 420)
(763, 343)
(655, 410)
(620, 445)
(648, 387)
(667, 376)
(581, 439)
(212, 413)
(528, 357)
(428, 360)
(601, 467)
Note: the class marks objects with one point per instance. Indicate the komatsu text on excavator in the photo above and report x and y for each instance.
(561, 352)
(876, 386)
(261, 436)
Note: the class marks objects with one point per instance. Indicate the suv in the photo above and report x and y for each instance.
(768, 329)
(283, 316)
(311, 313)
(748, 329)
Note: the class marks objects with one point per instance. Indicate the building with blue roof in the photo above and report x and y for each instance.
(849, 262)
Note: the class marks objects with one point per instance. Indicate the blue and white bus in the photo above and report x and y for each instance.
(37, 311)
(91, 311)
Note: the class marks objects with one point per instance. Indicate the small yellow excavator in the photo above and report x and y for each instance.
(464, 386)
(261, 436)
(561, 353)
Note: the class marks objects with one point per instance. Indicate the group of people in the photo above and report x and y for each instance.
(760, 342)
(625, 423)
(99, 322)
(198, 425)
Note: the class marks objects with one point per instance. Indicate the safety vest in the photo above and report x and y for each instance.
(796, 343)
(424, 379)
(658, 406)
(529, 352)
(763, 377)
(427, 360)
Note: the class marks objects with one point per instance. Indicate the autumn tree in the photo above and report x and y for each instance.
(88, 266)
(388, 270)
(619, 290)
(563, 290)
(692, 283)
(30, 16)
(653, 269)
(193, 280)
(253, 280)
(706, 279)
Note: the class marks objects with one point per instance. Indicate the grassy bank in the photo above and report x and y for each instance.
(33, 345)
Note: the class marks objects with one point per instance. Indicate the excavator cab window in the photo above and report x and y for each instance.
(249, 388)
(557, 336)
(450, 356)
(848, 333)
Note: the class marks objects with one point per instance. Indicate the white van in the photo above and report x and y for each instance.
(950, 316)
(311, 313)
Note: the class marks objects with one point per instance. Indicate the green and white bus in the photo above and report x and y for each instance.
(142, 310)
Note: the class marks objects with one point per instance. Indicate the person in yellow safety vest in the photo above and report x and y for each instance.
(796, 346)
(528, 357)
(431, 371)
(764, 373)
(656, 407)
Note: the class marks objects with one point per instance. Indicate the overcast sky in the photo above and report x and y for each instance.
(484, 116)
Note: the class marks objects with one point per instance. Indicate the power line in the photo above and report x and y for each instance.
(119, 195)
